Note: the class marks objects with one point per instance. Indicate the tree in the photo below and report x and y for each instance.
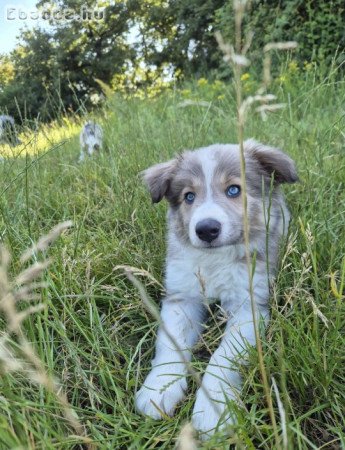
(56, 68)
(179, 33)
(6, 71)
(26, 94)
(90, 49)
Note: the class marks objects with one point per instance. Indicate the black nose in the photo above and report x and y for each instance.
(208, 229)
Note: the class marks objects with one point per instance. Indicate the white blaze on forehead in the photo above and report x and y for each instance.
(208, 163)
(209, 208)
(210, 158)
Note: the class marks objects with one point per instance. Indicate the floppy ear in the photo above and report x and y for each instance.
(273, 161)
(157, 178)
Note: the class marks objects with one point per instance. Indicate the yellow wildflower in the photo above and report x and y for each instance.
(218, 84)
(185, 92)
(202, 82)
(245, 76)
(282, 78)
(293, 67)
(307, 66)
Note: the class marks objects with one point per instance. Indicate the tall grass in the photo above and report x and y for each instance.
(94, 333)
(237, 58)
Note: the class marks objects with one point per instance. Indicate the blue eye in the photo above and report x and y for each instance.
(189, 197)
(233, 191)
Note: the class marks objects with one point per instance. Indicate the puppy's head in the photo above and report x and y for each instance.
(204, 190)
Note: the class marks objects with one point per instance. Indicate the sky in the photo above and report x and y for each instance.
(9, 29)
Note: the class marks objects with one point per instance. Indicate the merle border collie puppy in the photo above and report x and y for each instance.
(206, 261)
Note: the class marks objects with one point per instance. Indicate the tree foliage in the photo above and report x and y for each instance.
(6, 71)
(56, 68)
(317, 26)
(180, 33)
(136, 42)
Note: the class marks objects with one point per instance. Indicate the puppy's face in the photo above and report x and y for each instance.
(204, 190)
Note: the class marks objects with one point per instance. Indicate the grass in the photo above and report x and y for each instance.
(94, 333)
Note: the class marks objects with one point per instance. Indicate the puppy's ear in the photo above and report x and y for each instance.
(272, 161)
(158, 178)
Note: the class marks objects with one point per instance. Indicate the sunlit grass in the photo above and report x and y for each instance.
(35, 142)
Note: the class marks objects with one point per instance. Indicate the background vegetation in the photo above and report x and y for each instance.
(142, 43)
(94, 333)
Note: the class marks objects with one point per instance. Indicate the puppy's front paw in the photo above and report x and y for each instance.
(162, 390)
(211, 413)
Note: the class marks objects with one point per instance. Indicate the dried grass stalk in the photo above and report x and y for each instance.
(46, 240)
(22, 357)
(243, 106)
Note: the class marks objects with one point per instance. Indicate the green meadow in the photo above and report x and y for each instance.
(94, 334)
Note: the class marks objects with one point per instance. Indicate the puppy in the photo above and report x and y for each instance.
(8, 132)
(91, 139)
(206, 260)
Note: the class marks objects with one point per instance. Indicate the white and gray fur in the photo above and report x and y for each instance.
(199, 268)
(8, 132)
(91, 139)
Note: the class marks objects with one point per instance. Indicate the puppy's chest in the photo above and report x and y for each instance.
(216, 275)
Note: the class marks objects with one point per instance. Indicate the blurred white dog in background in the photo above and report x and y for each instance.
(91, 139)
(8, 132)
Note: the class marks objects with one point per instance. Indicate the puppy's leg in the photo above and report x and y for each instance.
(166, 384)
(221, 380)
(83, 152)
